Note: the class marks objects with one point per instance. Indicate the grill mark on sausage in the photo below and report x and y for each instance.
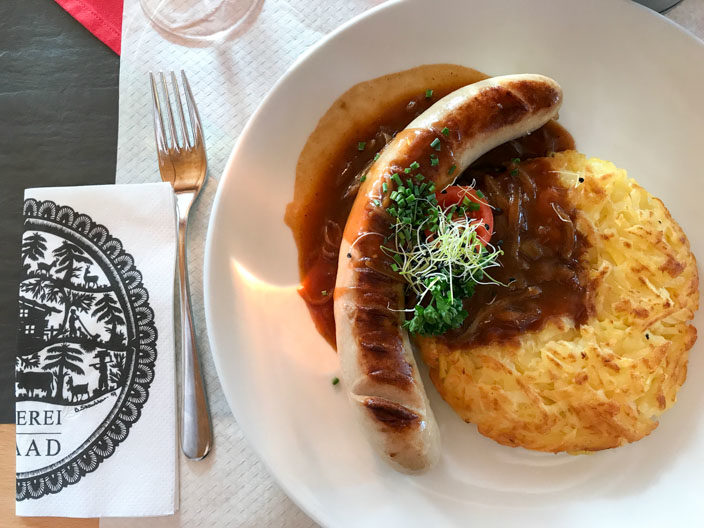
(381, 346)
(391, 377)
(392, 414)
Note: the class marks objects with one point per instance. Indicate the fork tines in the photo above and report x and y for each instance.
(171, 140)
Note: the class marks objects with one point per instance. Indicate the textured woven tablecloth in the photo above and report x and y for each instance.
(231, 487)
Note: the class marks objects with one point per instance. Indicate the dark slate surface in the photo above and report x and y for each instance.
(58, 126)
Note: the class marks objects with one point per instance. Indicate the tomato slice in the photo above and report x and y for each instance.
(455, 195)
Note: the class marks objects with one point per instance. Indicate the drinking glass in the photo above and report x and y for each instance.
(198, 19)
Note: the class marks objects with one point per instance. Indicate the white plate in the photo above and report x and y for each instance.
(633, 85)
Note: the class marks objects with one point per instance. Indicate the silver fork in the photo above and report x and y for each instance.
(182, 163)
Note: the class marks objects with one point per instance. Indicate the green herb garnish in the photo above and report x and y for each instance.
(451, 170)
(516, 161)
(445, 131)
(436, 144)
(415, 165)
(428, 94)
(377, 156)
(361, 145)
(364, 177)
(335, 380)
(514, 172)
(438, 253)
(434, 161)
(324, 293)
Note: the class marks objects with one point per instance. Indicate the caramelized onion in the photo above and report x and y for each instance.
(532, 249)
(514, 219)
(332, 236)
(569, 233)
(529, 186)
(496, 197)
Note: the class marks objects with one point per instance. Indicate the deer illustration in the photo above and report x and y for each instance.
(45, 267)
(76, 390)
(89, 279)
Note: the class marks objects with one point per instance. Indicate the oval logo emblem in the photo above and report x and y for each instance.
(86, 348)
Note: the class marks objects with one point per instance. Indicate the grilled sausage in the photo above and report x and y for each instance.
(378, 368)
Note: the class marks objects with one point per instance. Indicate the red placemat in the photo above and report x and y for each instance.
(103, 18)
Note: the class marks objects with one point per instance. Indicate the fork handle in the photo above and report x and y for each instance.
(196, 433)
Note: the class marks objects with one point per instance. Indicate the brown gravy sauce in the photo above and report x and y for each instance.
(327, 180)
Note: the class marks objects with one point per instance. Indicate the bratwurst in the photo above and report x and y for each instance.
(377, 363)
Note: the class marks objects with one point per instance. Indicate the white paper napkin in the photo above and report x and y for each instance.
(96, 416)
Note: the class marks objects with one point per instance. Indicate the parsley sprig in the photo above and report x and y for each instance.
(437, 252)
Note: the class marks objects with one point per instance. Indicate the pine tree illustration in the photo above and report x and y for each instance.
(62, 358)
(107, 311)
(33, 247)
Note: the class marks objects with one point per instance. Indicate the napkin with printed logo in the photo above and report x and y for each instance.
(95, 380)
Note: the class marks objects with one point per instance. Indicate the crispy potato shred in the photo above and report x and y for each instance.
(605, 383)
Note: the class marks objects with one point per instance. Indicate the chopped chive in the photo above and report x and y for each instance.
(407, 170)
(474, 206)
(434, 161)
(394, 267)
(324, 293)
(384, 187)
(451, 170)
(445, 131)
(514, 172)
(377, 203)
(436, 144)
(395, 178)
(516, 160)
(361, 145)
(364, 177)
(335, 380)
(377, 156)
(428, 94)
(415, 165)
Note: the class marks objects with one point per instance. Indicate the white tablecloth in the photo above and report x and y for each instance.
(231, 487)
